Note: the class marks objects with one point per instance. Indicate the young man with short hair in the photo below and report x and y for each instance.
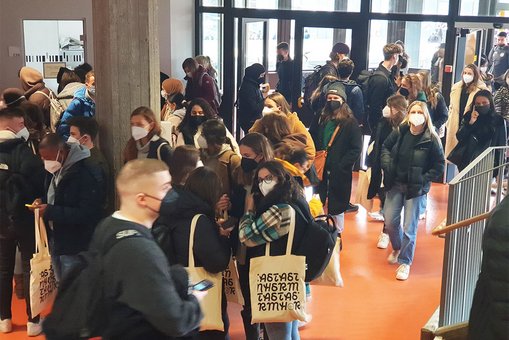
(354, 99)
(498, 59)
(284, 68)
(339, 52)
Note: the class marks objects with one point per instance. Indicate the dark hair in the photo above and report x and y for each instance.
(86, 125)
(502, 34)
(486, 94)
(67, 77)
(345, 68)
(208, 111)
(12, 112)
(287, 190)
(206, 184)
(283, 46)
(214, 132)
(260, 145)
(82, 70)
(177, 99)
(190, 64)
(182, 162)
(34, 118)
(298, 156)
(51, 141)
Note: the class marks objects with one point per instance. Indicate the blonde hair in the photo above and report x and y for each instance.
(280, 101)
(137, 171)
(415, 84)
(400, 104)
(430, 91)
(427, 117)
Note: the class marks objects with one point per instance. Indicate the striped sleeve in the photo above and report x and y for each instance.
(270, 226)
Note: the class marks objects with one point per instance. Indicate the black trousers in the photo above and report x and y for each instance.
(9, 240)
(252, 331)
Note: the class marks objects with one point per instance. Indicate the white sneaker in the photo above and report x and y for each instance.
(6, 326)
(393, 257)
(34, 329)
(302, 324)
(376, 216)
(403, 272)
(383, 241)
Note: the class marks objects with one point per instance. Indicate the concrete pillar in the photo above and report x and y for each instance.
(126, 55)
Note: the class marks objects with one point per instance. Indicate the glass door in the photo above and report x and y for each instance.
(255, 42)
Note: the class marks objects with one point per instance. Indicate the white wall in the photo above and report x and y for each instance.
(176, 31)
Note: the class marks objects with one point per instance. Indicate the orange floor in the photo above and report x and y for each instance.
(372, 305)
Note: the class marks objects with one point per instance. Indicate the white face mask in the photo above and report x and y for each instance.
(266, 111)
(386, 112)
(52, 166)
(138, 132)
(199, 164)
(72, 140)
(23, 133)
(416, 119)
(163, 94)
(266, 188)
(202, 142)
(468, 78)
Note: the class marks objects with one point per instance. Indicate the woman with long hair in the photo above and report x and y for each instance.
(146, 141)
(339, 133)
(461, 99)
(436, 103)
(412, 157)
(411, 88)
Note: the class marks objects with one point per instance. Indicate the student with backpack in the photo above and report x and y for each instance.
(21, 182)
(354, 96)
(142, 297)
(200, 84)
(36, 91)
(380, 85)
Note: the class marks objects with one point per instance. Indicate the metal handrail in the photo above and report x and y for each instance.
(440, 229)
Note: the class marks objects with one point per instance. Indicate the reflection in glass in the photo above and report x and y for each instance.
(212, 3)
(411, 7)
(254, 42)
(303, 5)
(495, 8)
(212, 41)
(318, 44)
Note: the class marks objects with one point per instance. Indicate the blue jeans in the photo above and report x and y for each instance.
(402, 238)
(283, 330)
(62, 264)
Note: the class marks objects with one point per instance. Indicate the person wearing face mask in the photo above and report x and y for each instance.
(498, 59)
(74, 199)
(481, 128)
(172, 115)
(501, 98)
(284, 69)
(436, 103)
(268, 212)
(339, 133)
(250, 98)
(486, 77)
(24, 171)
(461, 99)
(412, 157)
(411, 88)
(211, 248)
(200, 84)
(155, 301)
(170, 89)
(393, 114)
(146, 141)
(83, 105)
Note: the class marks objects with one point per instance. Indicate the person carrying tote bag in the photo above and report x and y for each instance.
(43, 284)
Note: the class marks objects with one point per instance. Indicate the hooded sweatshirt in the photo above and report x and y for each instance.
(33, 84)
(66, 96)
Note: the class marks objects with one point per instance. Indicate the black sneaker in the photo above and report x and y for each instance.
(352, 208)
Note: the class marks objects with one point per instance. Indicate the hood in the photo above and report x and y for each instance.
(181, 203)
(349, 82)
(30, 77)
(295, 140)
(6, 135)
(76, 154)
(199, 71)
(70, 89)
(253, 72)
(12, 96)
(180, 113)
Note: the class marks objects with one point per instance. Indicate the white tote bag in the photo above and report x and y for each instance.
(278, 291)
(43, 284)
(331, 276)
(232, 284)
(211, 303)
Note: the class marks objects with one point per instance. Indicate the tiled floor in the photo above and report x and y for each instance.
(372, 305)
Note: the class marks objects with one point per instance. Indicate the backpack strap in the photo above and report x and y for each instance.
(159, 150)
(114, 238)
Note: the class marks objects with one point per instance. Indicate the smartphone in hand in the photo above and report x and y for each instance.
(202, 285)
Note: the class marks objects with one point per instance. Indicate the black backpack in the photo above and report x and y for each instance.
(317, 243)
(363, 80)
(311, 83)
(80, 310)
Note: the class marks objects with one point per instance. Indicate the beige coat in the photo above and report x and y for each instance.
(453, 123)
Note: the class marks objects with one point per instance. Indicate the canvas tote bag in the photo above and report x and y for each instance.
(232, 284)
(43, 284)
(331, 276)
(278, 291)
(361, 195)
(211, 303)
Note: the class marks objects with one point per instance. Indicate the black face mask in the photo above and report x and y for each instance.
(482, 110)
(197, 120)
(334, 105)
(248, 164)
(280, 57)
(404, 92)
(261, 80)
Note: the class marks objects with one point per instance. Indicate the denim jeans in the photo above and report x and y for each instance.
(423, 205)
(283, 330)
(62, 264)
(402, 238)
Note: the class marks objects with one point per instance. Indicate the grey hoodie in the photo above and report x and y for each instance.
(66, 96)
(76, 154)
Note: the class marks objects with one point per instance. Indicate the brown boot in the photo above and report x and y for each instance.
(18, 286)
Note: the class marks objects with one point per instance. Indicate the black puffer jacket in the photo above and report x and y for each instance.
(21, 182)
(250, 99)
(171, 231)
(490, 307)
(383, 130)
(427, 161)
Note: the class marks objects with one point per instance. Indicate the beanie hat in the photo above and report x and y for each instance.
(254, 71)
(172, 86)
(13, 96)
(336, 88)
(341, 48)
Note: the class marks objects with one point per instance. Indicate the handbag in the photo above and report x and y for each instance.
(211, 303)
(277, 288)
(321, 156)
(361, 195)
(232, 284)
(331, 276)
(43, 284)
(463, 152)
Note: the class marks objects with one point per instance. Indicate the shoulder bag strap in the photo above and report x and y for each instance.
(159, 150)
(336, 131)
(291, 233)
(194, 222)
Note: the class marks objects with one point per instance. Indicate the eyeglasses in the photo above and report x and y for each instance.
(268, 179)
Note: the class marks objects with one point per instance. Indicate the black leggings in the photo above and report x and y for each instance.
(8, 242)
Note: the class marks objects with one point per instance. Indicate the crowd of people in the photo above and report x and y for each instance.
(189, 187)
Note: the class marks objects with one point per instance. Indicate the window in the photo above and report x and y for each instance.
(303, 5)
(318, 43)
(212, 41)
(212, 3)
(411, 7)
(259, 4)
(495, 8)
(421, 40)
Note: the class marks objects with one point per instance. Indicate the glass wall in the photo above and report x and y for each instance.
(497, 8)
(411, 6)
(212, 41)
(212, 3)
(318, 44)
(302, 5)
